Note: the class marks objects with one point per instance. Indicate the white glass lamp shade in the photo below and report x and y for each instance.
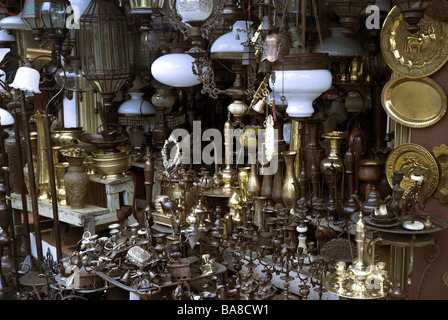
(26, 79)
(175, 70)
(6, 119)
(136, 106)
(3, 52)
(231, 42)
(194, 10)
(301, 87)
(14, 23)
(6, 39)
(339, 45)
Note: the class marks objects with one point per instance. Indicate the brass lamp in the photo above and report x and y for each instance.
(105, 60)
(412, 11)
(349, 12)
(31, 16)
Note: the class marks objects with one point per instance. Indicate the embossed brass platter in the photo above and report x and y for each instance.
(414, 55)
(441, 155)
(412, 158)
(414, 103)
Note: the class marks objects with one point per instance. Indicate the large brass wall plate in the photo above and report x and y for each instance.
(414, 55)
(441, 155)
(414, 103)
(412, 158)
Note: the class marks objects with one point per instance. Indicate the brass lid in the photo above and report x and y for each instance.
(302, 61)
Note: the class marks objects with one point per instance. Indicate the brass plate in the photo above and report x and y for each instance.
(414, 55)
(441, 155)
(414, 103)
(411, 158)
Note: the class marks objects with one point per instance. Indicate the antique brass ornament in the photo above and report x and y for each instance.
(414, 103)
(412, 158)
(414, 55)
(441, 155)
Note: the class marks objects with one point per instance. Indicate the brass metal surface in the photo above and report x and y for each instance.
(415, 103)
(412, 158)
(441, 156)
(414, 55)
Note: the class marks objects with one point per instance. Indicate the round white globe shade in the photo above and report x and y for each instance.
(175, 70)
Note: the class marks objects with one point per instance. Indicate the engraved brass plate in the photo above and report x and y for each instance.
(441, 155)
(412, 158)
(414, 55)
(414, 103)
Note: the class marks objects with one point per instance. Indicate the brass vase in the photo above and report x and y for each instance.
(266, 184)
(334, 158)
(60, 171)
(76, 182)
(291, 188)
(243, 178)
(312, 152)
(42, 171)
(253, 186)
(277, 185)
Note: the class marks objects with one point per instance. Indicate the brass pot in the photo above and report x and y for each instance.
(114, 166)
(370, 170)
(65, 137)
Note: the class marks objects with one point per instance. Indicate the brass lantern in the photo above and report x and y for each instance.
(349, 12)
(31, 16)
(53, 14)
(104, 53)
(412, 11)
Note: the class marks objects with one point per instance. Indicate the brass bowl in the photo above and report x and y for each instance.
(113, 167)
(65, 137)
(102, 153)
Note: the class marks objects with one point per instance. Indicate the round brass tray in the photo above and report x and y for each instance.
(441, 156)
(414, 55)
(412, 158)
(414, 103)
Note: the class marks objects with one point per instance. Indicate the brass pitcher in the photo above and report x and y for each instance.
(291, 187)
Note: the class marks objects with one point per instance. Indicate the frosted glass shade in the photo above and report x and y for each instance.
(6, 119)
(3, 52)
(339, 45)
(14, 23)
(6, 39)
(301, 87)
(136, 105)
(194, 10)
(26, 79)
(231, 42)
(175, 70)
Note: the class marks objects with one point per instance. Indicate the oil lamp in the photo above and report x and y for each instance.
(349, 12)
(412, 11)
